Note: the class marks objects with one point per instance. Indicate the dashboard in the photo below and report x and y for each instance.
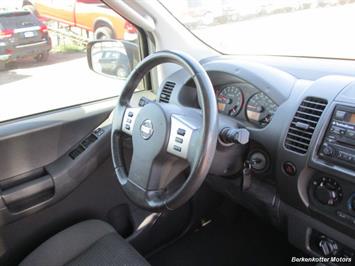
(236, 98)
(300, 114)
(243, 101)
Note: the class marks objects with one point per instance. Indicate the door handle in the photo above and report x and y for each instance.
(17, 197)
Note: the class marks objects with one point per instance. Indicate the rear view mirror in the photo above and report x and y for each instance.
(112, 58)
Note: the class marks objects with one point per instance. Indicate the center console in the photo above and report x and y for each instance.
(331, 195)
(339, 142)
(331, 188)
(334, 198)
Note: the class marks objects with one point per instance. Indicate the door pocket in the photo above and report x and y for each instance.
(31, 192)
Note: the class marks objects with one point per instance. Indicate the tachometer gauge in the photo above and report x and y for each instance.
(260, 109)
(230, 100)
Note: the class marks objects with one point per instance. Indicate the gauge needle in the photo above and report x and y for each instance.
(234, 109)
(260, 109)
(225, 99)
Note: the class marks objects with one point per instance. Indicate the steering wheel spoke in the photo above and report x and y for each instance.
(124, 119)
(183, 136)
(150, 178)
(140, 170)
(129, 119)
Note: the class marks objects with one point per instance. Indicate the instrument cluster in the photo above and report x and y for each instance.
(244, 101)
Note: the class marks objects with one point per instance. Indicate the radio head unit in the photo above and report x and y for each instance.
(338, 145)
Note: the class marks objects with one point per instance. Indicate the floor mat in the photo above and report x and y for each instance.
(244, 240)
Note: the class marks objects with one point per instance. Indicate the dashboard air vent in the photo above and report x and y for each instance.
(166, 92)
(304, 123)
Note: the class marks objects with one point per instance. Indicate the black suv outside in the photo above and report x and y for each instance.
(22, 35)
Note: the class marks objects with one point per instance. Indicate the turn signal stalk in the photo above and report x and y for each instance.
(234, 135)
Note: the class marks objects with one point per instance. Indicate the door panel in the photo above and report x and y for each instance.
(56, 170)
(46, 156)
(41, 139)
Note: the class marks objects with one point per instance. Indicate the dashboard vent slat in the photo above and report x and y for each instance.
(304, 122)
(166, 92)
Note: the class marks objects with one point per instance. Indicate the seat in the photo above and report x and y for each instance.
(91, 242)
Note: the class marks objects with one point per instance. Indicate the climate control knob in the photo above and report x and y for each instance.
(351, 203)
(324, 195)
(328, 246)
(328, 150)
(327, 191)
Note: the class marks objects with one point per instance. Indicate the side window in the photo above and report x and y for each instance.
(43, 63)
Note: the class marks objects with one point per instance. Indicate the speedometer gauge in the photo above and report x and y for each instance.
(230, 100)
(260, 109)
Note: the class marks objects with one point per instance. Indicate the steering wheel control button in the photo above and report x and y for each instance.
(147, 129)
(177, 148)
(289, 168)
(129, 120)
(179, 140)
(180, 136)
(181, 132)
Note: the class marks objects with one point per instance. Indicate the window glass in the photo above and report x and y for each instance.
(307, 28)
(18, 21)
(43, 62)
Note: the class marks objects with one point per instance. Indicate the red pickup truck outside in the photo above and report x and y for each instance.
(91, 15)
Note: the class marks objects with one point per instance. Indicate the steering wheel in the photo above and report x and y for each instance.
(167, 138)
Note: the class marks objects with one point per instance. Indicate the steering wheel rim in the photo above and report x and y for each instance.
(144, 184)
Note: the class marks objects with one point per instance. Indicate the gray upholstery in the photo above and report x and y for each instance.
(91, 242)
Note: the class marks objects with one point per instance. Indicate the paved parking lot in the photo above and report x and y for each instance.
(28, 87)
(322, 32)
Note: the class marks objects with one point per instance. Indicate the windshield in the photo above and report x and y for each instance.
(311, 28)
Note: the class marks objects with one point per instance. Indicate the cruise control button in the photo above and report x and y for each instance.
(127, 127)
(177, 148)
(179, 140)
(181, 132)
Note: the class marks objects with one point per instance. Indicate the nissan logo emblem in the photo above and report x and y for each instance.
(147, 129)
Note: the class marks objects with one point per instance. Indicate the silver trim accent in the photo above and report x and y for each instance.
(176, 123)
(135, 112)
(31, 44)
